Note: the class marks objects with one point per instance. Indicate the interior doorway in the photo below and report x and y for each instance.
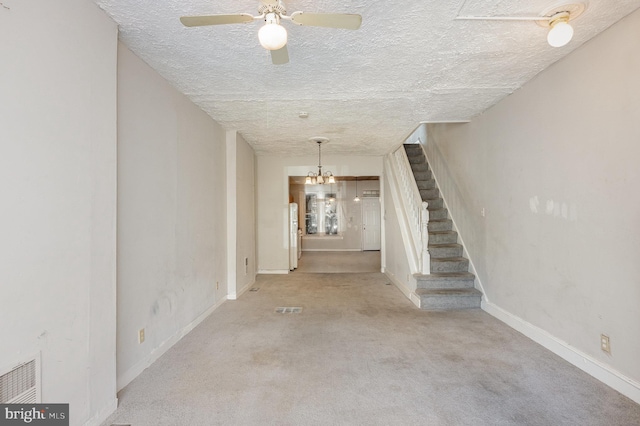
(331, 221)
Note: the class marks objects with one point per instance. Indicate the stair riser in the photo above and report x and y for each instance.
(449, 302)
(440, 252)
(449, 266)
(456, 283)
(426, 175)
(435, 204)
(417, 159)
(419, 167)
(440, 226)
(451, 238)
(426, 184)
(430, 194)
(438, 214)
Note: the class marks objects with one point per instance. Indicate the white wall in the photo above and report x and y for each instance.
(171, 215)
(245, 215)
(555, 165)
(272, 195)
(58, 186)
(396, 261)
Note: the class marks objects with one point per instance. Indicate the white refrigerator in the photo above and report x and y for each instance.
(293, 236)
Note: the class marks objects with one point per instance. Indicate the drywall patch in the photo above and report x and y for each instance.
(564, 210)
(549, 209)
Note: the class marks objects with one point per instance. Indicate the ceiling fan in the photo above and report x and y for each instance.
(272, 35)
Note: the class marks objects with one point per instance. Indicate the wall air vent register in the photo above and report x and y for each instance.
(20, 384)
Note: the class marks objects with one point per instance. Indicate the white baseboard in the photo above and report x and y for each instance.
(334, 250)
(612, 378)
(103, 414)
(404, 289)
(138, 368)
(242, 290)
(273, 271)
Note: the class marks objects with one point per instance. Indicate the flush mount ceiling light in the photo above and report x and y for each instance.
(556, 19)
(319, 178)
(561, 32)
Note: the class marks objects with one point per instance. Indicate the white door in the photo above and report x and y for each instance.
(370, 223)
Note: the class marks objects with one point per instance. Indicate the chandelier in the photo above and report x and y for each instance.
(319, 178)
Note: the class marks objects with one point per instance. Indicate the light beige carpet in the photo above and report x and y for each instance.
(360, 353)
(339, 261)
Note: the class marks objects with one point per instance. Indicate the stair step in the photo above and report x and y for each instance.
(449, 264)
(436, 204)
(438, 214)
(452, 298)
(419, 167)
(440, 225)
(430, 194)
(445, 250)
(445, 280)
(417, 159)
(422, 175)
(443, 237)
(412, 146)
(426, 184)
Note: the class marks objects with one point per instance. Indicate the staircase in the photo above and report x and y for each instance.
(450, 284)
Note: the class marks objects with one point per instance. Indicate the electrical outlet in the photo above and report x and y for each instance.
(605, 344)
(141, 335)
(483, 212)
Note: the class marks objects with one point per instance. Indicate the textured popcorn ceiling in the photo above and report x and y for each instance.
(365, 90)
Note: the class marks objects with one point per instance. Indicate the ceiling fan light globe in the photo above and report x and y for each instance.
(272, 36)
(560, 34)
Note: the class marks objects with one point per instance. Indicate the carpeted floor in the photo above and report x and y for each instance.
(360, 353)
(339, 261)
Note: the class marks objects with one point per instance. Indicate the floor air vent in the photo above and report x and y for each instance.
(289, 310)
(21, 384)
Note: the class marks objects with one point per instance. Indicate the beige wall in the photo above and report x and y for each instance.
(555, 165)
(171, 215)
(245, 215)
(58, 186)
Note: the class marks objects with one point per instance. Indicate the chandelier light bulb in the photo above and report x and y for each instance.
(561, 32)
(272, 35)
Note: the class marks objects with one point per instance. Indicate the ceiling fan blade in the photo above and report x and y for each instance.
(331, 20)
(199, 21)
(280, 56)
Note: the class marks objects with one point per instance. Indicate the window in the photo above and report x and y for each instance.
(321, 214)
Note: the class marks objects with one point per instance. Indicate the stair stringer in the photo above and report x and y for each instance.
(465, 253)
